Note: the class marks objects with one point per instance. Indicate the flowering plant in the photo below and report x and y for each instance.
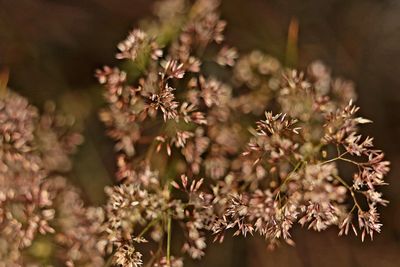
(207, 140)
(190, 155)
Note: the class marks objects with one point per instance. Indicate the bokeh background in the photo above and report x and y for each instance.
(52, 48)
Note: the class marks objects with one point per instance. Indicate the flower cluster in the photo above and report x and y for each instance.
(207, 141)
(190, 156)
(289, 172)
(37, 205)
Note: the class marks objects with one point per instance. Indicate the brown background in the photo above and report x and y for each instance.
(53, 46)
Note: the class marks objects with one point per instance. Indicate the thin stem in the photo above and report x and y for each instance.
(338, 150)
(351, 161)
(350, 189)
(169, 240)
(298, 165)
(329, 161)
(339, 157)
(292, 172)
(352, 209)
(152, 223)
(337, 177)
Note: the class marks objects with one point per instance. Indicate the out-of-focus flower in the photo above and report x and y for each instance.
(34, 199)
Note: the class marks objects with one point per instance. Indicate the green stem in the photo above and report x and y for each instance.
(169, 240)
(298, 165)
(152, 223)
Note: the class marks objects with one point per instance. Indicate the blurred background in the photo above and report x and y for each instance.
(52, 48)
